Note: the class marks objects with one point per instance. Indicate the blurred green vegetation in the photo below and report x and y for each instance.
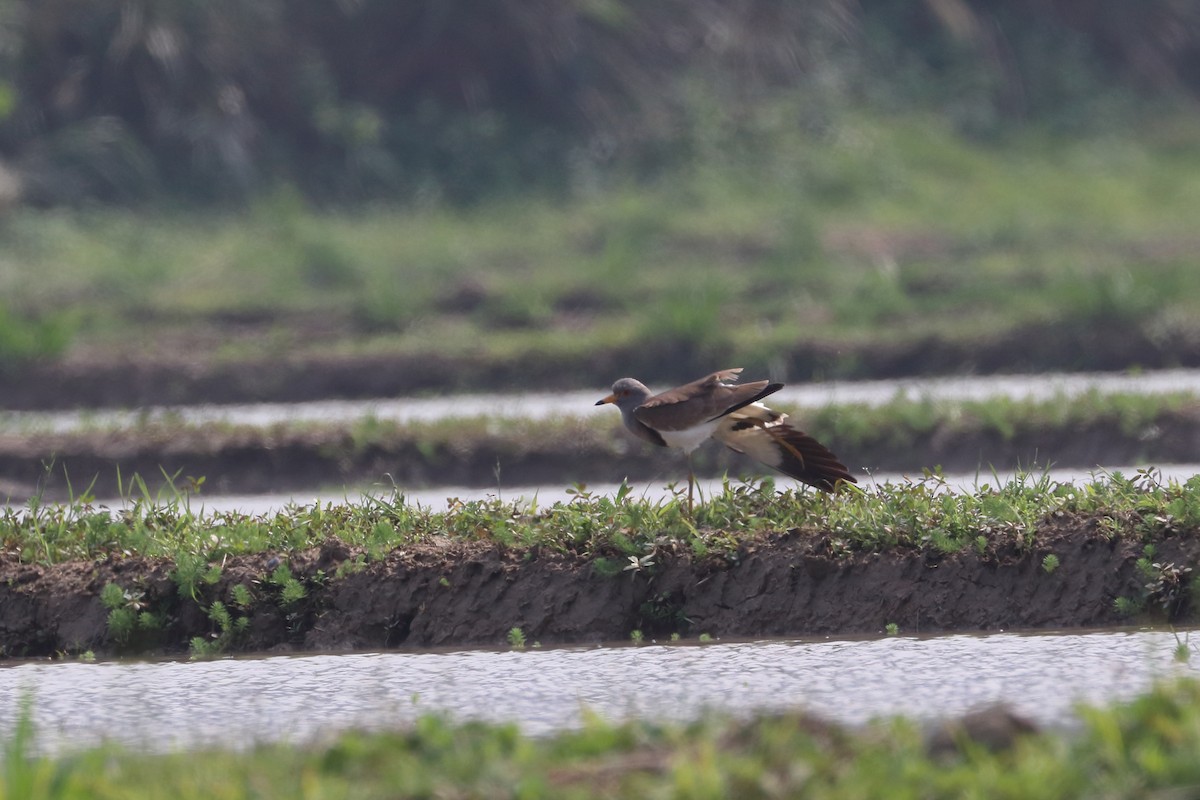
(1142, 748)
(128, 100)
(895, 232)
(564, 181)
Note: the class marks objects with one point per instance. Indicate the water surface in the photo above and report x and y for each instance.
(541, 405)
(237, 702)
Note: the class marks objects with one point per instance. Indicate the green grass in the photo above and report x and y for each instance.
(1145, 748)
(885, 229)
(904, 421)
(628, 532)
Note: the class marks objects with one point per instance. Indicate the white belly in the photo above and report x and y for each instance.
(690, 439)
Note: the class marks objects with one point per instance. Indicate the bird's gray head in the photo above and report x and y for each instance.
(627, 394)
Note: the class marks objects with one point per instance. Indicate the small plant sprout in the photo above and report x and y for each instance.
(516, 638)
(675, 636)
(291, 590)
(229, 629)
(241, 596)
(705, 638)
(1183, 651)
(637, 564)
(127, 613)
(112, 596)
(1127, 606)
(1050, 563)
(1168, 586)
(636, 636)
(192, 572)
(891, 629)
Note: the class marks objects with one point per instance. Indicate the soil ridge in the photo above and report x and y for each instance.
(787, 583)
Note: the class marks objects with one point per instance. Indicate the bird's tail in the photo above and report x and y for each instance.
(764, 435)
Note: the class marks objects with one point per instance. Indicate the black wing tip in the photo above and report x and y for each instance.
(770, 388)
(808, 461)
(830, 476)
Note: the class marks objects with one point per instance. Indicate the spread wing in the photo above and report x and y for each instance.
(698, 402)
(764, 435)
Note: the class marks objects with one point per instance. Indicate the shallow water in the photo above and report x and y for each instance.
(540, 405)
(236, 702)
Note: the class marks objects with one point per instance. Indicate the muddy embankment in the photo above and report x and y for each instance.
(785, 584)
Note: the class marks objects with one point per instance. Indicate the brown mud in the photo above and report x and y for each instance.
(164, 372)
(782, 584)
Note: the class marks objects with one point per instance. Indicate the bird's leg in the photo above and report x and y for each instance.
(691, 482)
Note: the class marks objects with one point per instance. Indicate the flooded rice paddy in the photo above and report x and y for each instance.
(237, 702)
(541, 405)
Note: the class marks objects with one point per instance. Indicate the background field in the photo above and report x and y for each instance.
(814, 190)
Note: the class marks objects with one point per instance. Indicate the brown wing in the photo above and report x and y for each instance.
(764, 435)
(701, 401)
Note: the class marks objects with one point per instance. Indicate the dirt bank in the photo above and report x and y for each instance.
(780, 584)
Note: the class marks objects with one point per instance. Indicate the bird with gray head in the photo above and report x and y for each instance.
(717, 407)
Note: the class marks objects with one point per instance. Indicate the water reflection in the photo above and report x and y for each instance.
(236, 702)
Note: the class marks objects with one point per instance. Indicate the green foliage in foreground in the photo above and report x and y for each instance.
(922, 513)
(1145, 748)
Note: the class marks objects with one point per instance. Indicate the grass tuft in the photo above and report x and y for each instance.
(516, 638)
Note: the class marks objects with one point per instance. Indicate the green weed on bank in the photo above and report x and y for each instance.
(617, 530)
(1145, 748)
